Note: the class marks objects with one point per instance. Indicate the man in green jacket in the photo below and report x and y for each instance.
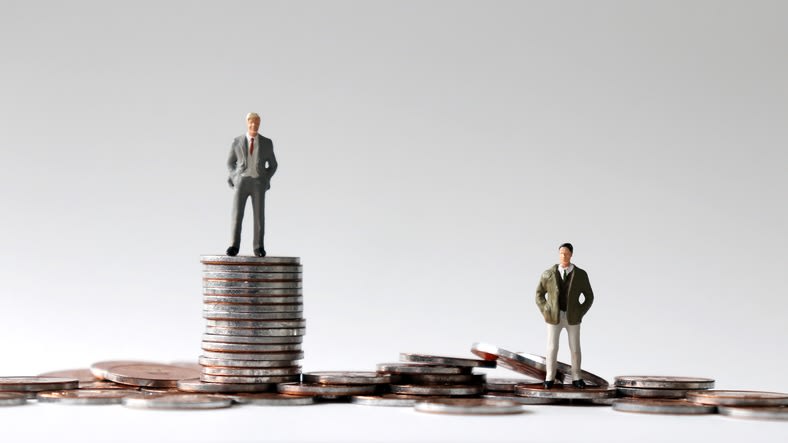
(563, 284)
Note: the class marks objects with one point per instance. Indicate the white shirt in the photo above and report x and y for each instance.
(251, 163)
(568, 269)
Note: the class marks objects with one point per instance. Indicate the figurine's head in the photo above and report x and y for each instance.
(565, 254)
(252, 123)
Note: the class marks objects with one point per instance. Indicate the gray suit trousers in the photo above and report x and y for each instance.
(245, 188)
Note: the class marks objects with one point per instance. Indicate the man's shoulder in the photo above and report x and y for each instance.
(549, 272)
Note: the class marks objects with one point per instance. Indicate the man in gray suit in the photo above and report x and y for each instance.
(252, 164)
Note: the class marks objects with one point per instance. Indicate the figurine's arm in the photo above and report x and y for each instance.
(541, 300)
(589, 297)
(272, 164)
(232, 163)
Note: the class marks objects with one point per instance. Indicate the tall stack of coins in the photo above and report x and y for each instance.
(253, 308)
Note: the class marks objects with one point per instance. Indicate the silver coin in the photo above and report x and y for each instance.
(273, 399)
(661, 406)
(249, 379)
(177, 401)
(242, 347)
(252, 292)
(440, 390)
(248, 304)
(251, 372)
(195, 385)
(450, 361)
(261, 324)
(386, 400)
(346, 378)
(245, 268)
(259, 356)
(231, 363)
(252, 276)
(470, 406)
(430, 379)
(253, 316)
(420, 368)
(86, 396)
(322, 390)
(238, 284)
(506, 384)
(521, 400)
(248, 260)
(651, 393)
(251, 340)
(758, 413)
(150, 375)
(663, 382)
(37, 384)
(12, 398)
(564, 392)
(252, 332)
(738, 398)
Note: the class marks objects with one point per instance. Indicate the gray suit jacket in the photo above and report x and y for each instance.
(239, 159)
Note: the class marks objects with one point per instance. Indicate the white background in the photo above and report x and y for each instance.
(433, 155)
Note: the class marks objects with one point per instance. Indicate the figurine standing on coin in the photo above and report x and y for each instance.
(564, 284)
(251, 164)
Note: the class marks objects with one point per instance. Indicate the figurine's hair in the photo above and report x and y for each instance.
(567, 246)
(252, 115)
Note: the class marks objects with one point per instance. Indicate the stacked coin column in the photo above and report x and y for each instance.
(254, 320)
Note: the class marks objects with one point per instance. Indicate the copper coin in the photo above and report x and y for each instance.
(422, 368)
(248, 260)
(12, 398)
(738, 398)
(430, 379)
(86, 396)
(450, 361)
(316, 389)
(661, 406)
(249, 379)
(273, 399)
(197, 386)
(506, 384)
(469, 406)
(563, 392)
(440, 390)
(150, 375)
(103, 385)
(663, 382)
(83, 375)
(36, 384)
(346, 378)
(177, 401)
(100, 369)
(757, 413)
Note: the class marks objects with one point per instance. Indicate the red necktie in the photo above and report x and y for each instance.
(251, 146)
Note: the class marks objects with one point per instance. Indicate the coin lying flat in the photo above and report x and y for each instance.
(506, 384)
(519, 399)
(100, 369)
(248, 260)
(82, 375)
(261, 356)
(245, 268)
(346, 378)
(738, 398)
(321, 390)
(386, 400)
(450, 361)
(86, 396)
(273, 399)
(37, 384)
(663, 382)
(252, 292)
(251, 372)
(227, 304)
(253, 332)
(758, 413)
(430, 379)
(473, 406)
(661, 406)
(249, 379)
(251, 276)
(177, 401)
(251, 316)
(230, 363)
(150, 375)
(12, 398)
(651, 393)
(564, 392)
(104, 385)
(421, 368)
(440, 390)
(195, 385)
(242, 347)
(242, 339)
(267, 325)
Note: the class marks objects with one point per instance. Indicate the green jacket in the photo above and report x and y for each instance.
(578, 284)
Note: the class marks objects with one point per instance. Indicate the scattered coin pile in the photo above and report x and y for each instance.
(253, 308)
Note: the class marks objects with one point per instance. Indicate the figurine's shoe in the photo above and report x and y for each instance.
(548, 384)
(579, 384)
(260, 252)
(232, 251)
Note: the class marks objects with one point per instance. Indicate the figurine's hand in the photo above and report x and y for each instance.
(230, 182)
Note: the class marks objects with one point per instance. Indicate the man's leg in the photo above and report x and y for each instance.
(553, 334)
(258, 206)
(239, 203)
(574, 348)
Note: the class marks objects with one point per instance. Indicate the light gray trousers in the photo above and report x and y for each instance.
(553, 334)
(245, 188)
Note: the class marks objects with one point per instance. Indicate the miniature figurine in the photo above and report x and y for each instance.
(252, 164)
(564, 283)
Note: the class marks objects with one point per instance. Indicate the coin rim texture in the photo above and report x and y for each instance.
(171, 401)
(257, 356)
(500, 384)
(251, 372)
(738, 398)
(448, 361)
(438, 390)
(247, 260)
(252, 332)
(755, 412)
(253, 268)
(251, 292)
(13, 398)
(252, 316)
(83, 396)
(245, 347)
(651, 393)
(421, 369)
(273, 399)
(345, 378)
(99, 369)
(386, 400)
(251, 276)
(272, 325)
(441, 379)
(249, 379)
(230, 363)
(663, 382)
(501, 395)
(661, 406)
(478, 406)
(564, 392)
(196, 386)
(125, 374)
(533, 366)
(321, 390)
(37, 384)
(233, 284)
(251, 340)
